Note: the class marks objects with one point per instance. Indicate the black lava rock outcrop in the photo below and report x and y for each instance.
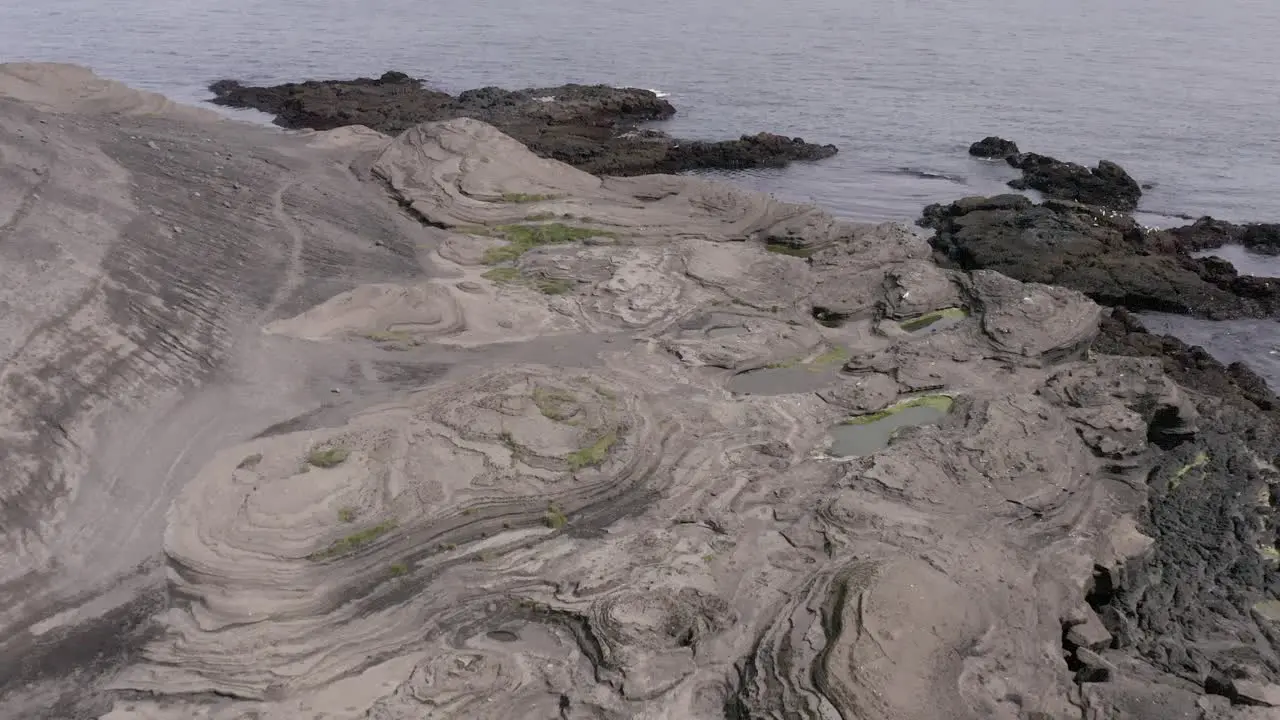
(1198, 600)
(1103, 254)
(1208, 233)
(1107, 185)
(993, 147)
(1197, 604)
(592, 127)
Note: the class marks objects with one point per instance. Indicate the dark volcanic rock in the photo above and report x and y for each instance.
(1208, 233)
(761, 150)
(592, 127)
(1105, 255)
(993, 147)
(1188, 606)
(1191, 603)
(1107, 185)
(1263, 238)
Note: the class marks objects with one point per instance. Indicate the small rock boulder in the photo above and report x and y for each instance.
(1090, 634)
(993, 147)
(1262, 238)
(1107, 185)
(1253, 692)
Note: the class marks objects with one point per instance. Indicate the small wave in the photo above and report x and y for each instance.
(655, 91)
(927, 174)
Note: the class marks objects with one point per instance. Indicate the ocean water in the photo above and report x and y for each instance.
(1183, 93)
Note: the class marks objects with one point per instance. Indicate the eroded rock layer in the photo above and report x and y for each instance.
(562, 446)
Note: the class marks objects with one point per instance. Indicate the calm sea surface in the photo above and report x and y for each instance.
(1183, 93)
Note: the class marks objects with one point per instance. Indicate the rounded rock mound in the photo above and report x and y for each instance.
(286, 551)
(993, 147)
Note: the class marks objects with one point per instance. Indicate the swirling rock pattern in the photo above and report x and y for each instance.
(571, 509)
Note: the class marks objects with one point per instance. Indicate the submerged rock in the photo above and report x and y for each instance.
(1106, 185)
(592, 127)
(993, 147)
(1208, 233)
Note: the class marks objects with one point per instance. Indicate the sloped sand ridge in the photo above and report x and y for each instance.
(142, 245)
(612, 533)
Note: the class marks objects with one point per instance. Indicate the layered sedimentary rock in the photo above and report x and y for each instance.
(478, 453)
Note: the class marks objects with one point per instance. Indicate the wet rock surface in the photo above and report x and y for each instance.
(1104, 254)
(1106, 185)
(1207, 233)
(994, 147)
(592, 127)
(534, 494)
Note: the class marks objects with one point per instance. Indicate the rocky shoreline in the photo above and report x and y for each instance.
(1207, 568)
(433, 425)
(596, 128)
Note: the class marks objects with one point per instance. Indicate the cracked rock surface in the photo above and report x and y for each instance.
(327, 425)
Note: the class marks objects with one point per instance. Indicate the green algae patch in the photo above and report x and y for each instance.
(552, 286)
(835, 356)
(793, 375)
(399, 569)
(525, 237)
(509, 275)
(328, 457)
(502, 275)
(593, 454)
(354, 541)
(555, 404)
(389, 336)
(527, 197)
(940, 403)
(1196, 463)
(921, 322)
(785, 249)
(868, 434)
(554, 518)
